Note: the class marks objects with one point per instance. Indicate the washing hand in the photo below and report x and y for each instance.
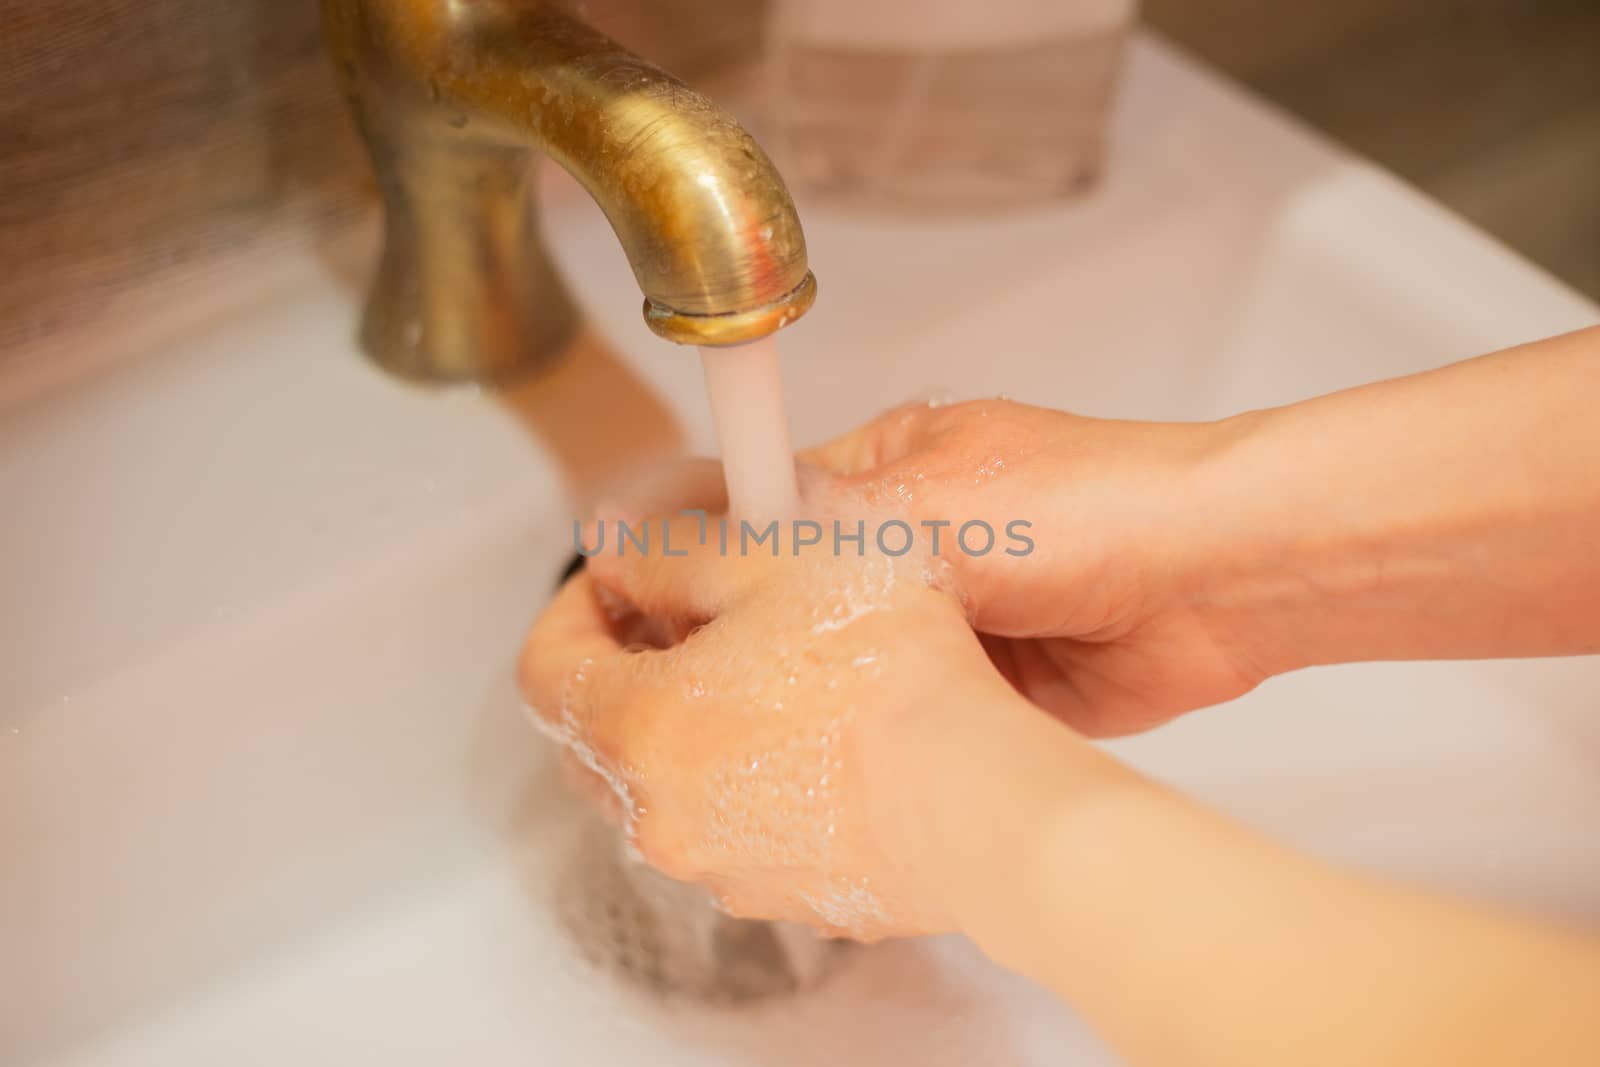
(1450, 514)
(776, 683)
(1098, 624)
(1091, 598)
(780, 754)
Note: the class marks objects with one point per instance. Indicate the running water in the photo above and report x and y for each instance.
(745, 385)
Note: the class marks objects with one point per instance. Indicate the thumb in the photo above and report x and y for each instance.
(887, 438)
(678, 568)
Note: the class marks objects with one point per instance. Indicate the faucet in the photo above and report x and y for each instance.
(455, 98)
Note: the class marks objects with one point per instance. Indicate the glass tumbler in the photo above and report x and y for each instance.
(944, 106)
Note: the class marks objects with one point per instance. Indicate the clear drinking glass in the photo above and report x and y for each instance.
(944, 105)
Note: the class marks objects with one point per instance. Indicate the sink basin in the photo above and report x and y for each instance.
(266, 795)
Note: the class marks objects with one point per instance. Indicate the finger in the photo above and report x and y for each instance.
(662, 490)
(668, 489)
(589, 693)
(686, 568)
(570, 638)
(1038, 675)
(883, 440)
(1059, 677)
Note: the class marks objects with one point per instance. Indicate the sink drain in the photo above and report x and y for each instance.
(669, 939)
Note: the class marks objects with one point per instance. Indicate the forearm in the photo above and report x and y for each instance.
(1184, 939)
(1453, 514)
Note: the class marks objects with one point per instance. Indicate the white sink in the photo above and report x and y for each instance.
(266, 795)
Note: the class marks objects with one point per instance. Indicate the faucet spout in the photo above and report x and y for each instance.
(455, 96)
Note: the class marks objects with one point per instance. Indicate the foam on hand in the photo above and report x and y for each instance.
(772, 797)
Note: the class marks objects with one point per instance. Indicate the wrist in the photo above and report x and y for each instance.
(988, 787)
(1266, 558)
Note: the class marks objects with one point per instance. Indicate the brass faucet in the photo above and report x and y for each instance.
(454, 97)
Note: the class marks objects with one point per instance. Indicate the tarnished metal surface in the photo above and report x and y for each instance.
(146, 144)
(453, 96)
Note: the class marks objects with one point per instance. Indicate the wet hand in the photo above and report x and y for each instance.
(1099, 622)
(780, 753)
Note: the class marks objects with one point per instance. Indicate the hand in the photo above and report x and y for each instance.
(780, 753)
(1354, 526)
(1098, 624)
